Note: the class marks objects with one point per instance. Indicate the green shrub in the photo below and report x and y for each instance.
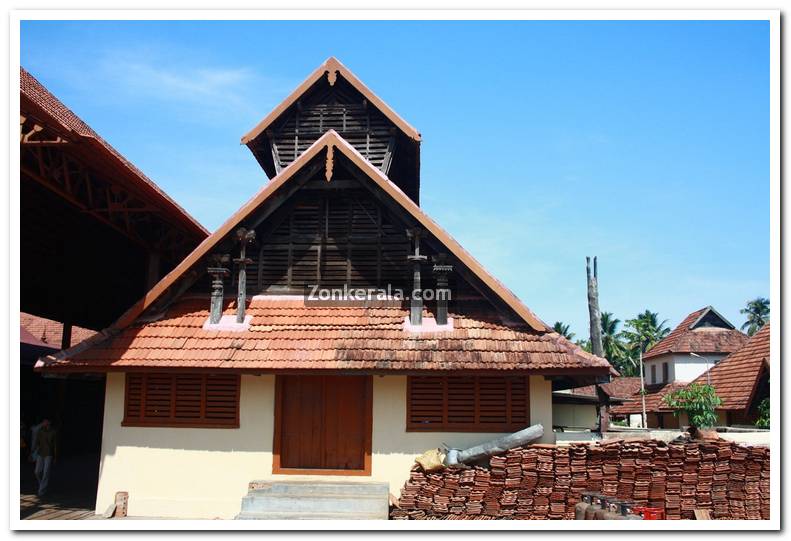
(763, 414)
(700, 403)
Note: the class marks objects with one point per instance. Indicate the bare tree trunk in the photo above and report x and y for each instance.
(593, 307)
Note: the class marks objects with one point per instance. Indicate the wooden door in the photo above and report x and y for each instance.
(323, 425)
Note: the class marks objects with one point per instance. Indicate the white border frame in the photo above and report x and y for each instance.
(773, 16)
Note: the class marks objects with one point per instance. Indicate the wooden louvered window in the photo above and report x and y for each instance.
(467, 403)
(184, 400)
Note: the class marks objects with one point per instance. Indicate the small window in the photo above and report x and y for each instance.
(467, 403)
(182, 400)
(653, 373)
(665, 373)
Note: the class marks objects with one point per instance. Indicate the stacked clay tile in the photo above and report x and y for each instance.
(546, 482)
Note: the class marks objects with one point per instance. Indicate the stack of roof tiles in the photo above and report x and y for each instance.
(295, 334)
(546, 481)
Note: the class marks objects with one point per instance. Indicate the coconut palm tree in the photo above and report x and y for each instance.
(563, 329)
(757, 312)
(644, 331)
(614, 349)
(585, 345)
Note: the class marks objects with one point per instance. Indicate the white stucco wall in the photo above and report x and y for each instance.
(682, 367)
(204, 473)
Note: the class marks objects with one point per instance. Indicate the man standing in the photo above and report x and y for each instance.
(45, 448)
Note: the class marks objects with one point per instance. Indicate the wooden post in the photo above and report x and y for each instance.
(416, 298)
(244, 236)
(65, 337)
(218, 272)
(152, 276)
(593, 307)
(441, 270)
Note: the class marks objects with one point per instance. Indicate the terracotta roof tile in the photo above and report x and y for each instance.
(654, 399)
(49, 332)
(735, 377)
(684, 339)
(290, 334)
(38, 94)
(622, 387)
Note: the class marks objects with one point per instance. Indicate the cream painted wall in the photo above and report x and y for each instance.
(203, 473)
(575, 415)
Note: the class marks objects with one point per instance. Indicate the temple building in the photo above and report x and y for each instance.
(328, 328)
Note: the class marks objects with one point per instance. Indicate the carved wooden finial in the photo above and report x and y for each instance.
(332, 76)
(328, 165)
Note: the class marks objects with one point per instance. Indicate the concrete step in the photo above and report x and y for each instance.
(318, 500)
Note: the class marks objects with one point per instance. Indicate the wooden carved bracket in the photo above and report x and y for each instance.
(328, 164)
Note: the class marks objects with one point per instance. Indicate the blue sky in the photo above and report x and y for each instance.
(645, 143)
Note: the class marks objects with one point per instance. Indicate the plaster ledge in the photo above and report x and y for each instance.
(429, 325)
(228, 324)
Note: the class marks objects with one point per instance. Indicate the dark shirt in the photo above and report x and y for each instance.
(45, 441)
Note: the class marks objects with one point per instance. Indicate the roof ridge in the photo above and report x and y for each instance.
(332, 67)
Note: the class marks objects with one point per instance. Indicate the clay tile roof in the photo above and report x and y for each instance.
(46, 332)
(37, 94)
(292, 334)
(690, 336)
(735, 377)
(623, 387)
(25, 337)
(619, 387)
(654, 399)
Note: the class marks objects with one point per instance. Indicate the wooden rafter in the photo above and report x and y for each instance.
(95, 194)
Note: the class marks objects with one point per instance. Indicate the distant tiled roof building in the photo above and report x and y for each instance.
(702, 331)
(698, 343)
(741, 379)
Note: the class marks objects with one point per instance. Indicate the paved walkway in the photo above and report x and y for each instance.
(72, 494)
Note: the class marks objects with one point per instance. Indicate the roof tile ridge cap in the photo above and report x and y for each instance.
(96, 339)
(346, 145)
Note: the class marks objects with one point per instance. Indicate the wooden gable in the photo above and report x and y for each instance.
(329, 234)
(332, 98)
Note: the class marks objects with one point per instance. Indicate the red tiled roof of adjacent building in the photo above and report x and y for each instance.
(47, 332)
(31, 89)
(654, 399)
(619, 388)
(735, 378)
(26, 337)
(622, 387)
(288, 334)
(688, 337)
